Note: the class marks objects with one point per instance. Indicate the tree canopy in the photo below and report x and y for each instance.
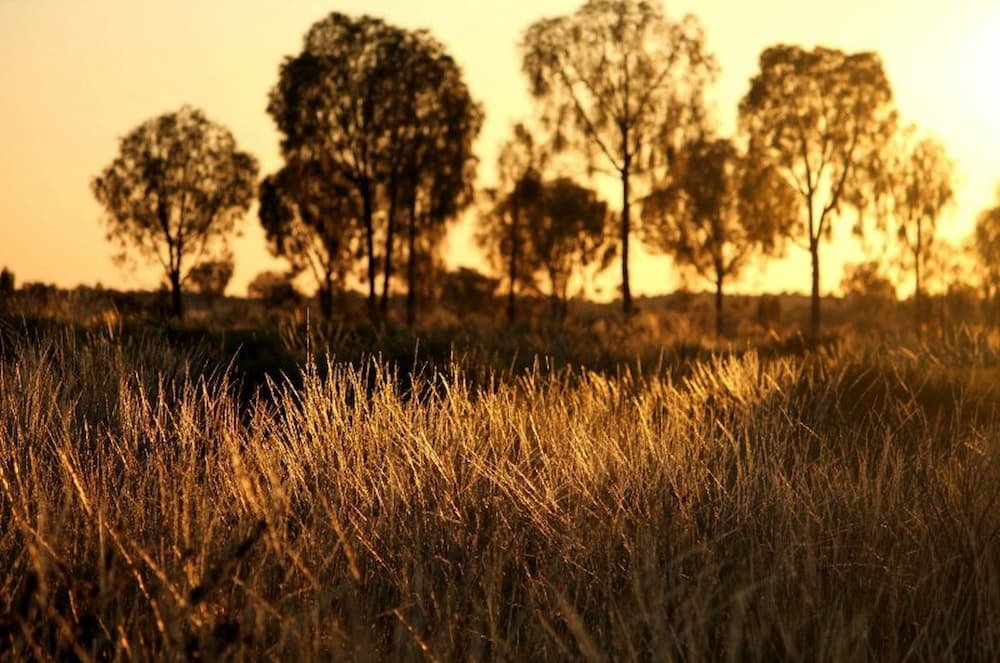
(211, 277)
(620, 82)
(503, 226)
(311, 219)
(175, 192)
(568, 234)
(987, 247)
(387, 111)
(716, 210)
(918, 185)
(823, 118)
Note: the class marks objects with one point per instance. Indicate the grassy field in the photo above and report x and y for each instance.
(720, 503)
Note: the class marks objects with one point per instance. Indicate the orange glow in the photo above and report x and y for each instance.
(77, 75)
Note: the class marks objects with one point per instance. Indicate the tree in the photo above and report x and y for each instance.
(210, 277)
(822, 117)
(619, 81)
(986, 245)
(502, 230)
(382, 109)
(333, 104)
(568, 233)
(917, 187)
(440, 122)
(175, 192)
(312, 219)
(716, 211)
(951, 271)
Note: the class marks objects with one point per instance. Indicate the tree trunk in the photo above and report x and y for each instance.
(390, 236)
(176, 304)
(918, 296)
(411, 266)
(719, 322)
(367, 213)
(626, 229)
(515, 219)
(326, 297)
(814, 318)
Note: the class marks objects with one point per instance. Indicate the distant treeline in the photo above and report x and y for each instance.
(378, 129)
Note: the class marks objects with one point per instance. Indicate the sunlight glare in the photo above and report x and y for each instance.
(979, 67)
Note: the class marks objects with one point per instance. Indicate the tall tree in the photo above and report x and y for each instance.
(376, 105)
(335, 103)
(620, 81)
(175, 192)
(822, 117)
(520, 167)
(568, 233)
(312, 219)
(441, 122)
(717, 209)
(918, 185)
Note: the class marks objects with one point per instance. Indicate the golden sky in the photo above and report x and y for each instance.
(76, 75)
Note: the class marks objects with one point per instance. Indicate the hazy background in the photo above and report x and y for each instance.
(76, 75)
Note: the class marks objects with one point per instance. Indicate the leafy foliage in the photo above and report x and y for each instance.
(621, 83)
(386, 112)
(823, 118)
(312, 219)
(987, 246)
(716, 210)
(275, 288)
(210, 277)
(7, 282)
(568, 233)
(918, 186)
(175, 191)
(503, 225)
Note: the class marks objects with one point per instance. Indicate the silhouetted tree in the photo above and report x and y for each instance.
(716, 210)
(822, 117)
(175, 192)
(440, 122)
(503, 225)
(7, 282)
(382, 109)
(620, 81)
(951, 275)
(568, 233)
(7, 287)
(986, 244)
(210, 277)
(917, 187)
(311, 218)
(334, 103)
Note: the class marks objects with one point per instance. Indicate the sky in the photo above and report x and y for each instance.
(76, 75)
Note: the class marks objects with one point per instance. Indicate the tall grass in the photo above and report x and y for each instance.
(837, 506)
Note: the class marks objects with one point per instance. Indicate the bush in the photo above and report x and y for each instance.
(274, 288)
(212, 276)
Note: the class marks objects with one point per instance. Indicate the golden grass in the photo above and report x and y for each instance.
(838, 506)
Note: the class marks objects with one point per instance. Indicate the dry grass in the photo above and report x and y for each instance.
(840, 506)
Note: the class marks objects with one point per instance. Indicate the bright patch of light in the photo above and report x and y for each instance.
(978, 69)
